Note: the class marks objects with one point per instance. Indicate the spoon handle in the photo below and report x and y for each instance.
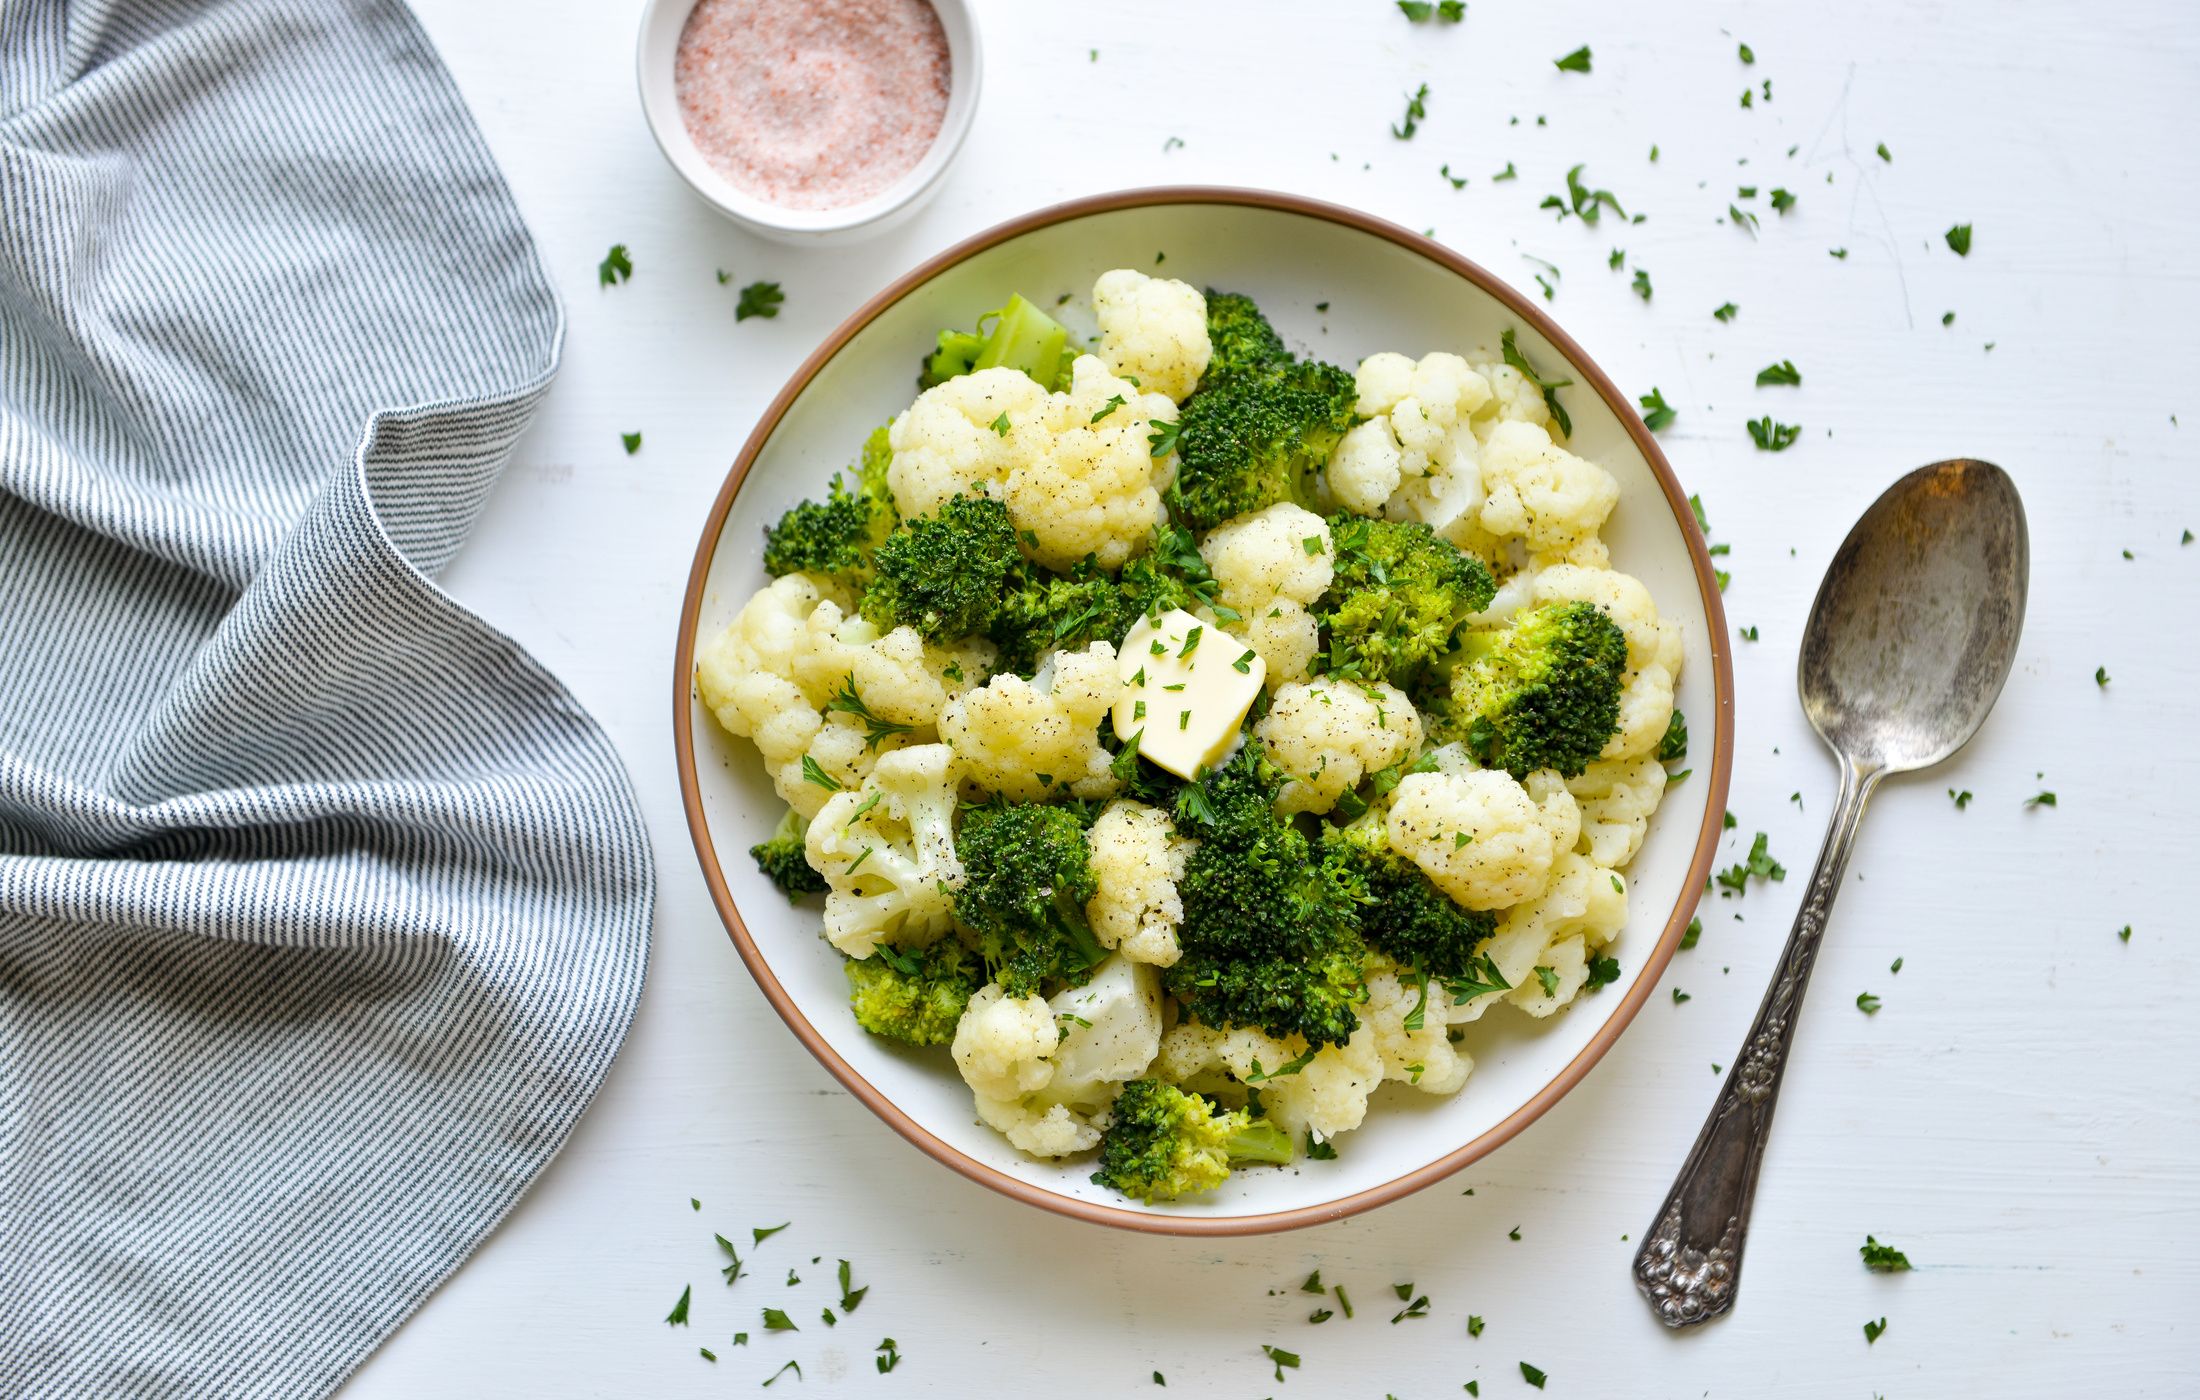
(1691, 1260)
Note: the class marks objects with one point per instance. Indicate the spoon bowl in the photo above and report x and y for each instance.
(1909, 641)
(1915, 626)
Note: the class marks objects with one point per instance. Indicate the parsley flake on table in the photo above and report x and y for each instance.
(2100, 677)
(759, 299)
(1575, 62)
(1658, 414)
(1959, 238)
(1773, 437)
(1417, 1308)
(1725, 312)
(1680, 996)
(1885, 154)
(776, 1320)
(1746, 222)
(1642, 284)
(1873, 1329)
(794, 1366)
(632, 442)
(1961, 799)
(1784, 372)
(1840, 253)
(1735, 878)
(1893, 967)
(1782, 200)
(1474, 1324)
(708, 1354)
(1458, 182)
(2040, 799)
(731, 1271)
(1513, 1233)
(1282, 1359)
(1532, 1376)
(1159, 1380)
(2123, 935)
(678, 1317)
(615, 268)
(1693, 932)
(1508, 173)
(1882, 1258)
(889, 1356)
(764, 1232)
(1749, 633)
(849, 1298)
(1473, 1387)
(1867, 1003)
(1416, 110)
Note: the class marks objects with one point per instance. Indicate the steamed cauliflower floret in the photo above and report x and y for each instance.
(1513, 398)
(1005, 1045)
(1327, 1097)
(1568, 961)
(1087, 486)
(945, 444)
(1584, 902)
(1331, 734)
(1416, 457)
(1538, 490)
(1287, 639)
(1153, 329)
(1263, 555)
(1137, 860)
(1364, 472)
(1048, 1089)
(1618, 798)
(1011, 731)
(770, 674)
(1653, 650)
(1478, 836)
(887, 852)
(1424, 1058)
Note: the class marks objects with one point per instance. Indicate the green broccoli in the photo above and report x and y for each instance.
(837, 536)
(1399, 594)
(1028, 878)
(1041, 611)
(1269, 933)
(1021, 336)
(782, 861)
(1541, 693)
(1260, 425)
(1675, 743)
(913, 995)
(945, 574)
(1402, 915)
(1164, 1143)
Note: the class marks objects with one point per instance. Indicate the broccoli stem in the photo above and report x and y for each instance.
(1261, 1142)
(1025, 338)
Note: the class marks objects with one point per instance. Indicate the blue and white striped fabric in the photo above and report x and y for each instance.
(323, 907)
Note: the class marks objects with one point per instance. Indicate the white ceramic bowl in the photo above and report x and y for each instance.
(662, 21)
(1387, 289)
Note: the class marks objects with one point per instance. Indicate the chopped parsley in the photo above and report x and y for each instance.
(1725, 312)
(1191, 641)
(1872, 1331)
(1680, 996)
(1693, 932)
(615, 268)
(850, 1297)
(1531, 1375)
(1320, 1151)
(1474, 1324)
(1884, 154)
(1773, 437)
(678, 1317)
(1575, 62)
(1659, 414)
(2100, 677)
(1841, 253)
(1895, 966)
(1513, 1233)
(1784, 372)
(632, 442)
(1282, 1359)
(1961, 799)
(1314, 1283)
(812, 773)
(1115, 401)
(1959, 239)
(1458, 182)
(2040, 799)
(1741, 219)
(846, 701)
(1746, 55)
(1782, 200)
(1162, 440)
(708, 1354)
(2124, 934)
(776, 1320)
(1244, 664)
(1735, 878)
(766, 1232)
(1416, 110)
(1417, 1308)
(1550, 387)
(759, 299)
(1000, 425)
(1882, 1258)
(1642, 284)
(1445, 11)
(889, 1356)
(1867, 1003)
(1508, 173)
(732, 1271)
(794, 1366)
(1290, 1066)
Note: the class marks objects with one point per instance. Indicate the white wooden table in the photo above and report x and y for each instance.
(2020, 1116)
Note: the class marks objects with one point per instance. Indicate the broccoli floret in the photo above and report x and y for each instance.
(1675, 743)
(1029, 876)
(837, 536)
(1020, 336)
(1269, 931)
(1541, 693)
(1041, 611)
(945, 574)
(1241, 338)
(1253, 439)
(1402, 915)
(1399, 594)
(782, 861)
(915, 995)
(1164, 1143)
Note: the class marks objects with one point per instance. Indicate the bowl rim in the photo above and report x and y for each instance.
(1123, 1217)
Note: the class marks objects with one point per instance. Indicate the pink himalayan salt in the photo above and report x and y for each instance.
(812, 104)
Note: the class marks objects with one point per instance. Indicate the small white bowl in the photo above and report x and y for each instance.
(662, 21)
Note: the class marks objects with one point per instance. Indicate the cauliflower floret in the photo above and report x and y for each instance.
(1089, 484)
(1108, 1030)
(1568, 961)
(1287, 639)
(887, 852)
(1479, 836)
(1263, 555)
(1137, 860)
(1327, 1097)
(1653, 650)
(1364, 471)
(1026, 739)
(1585, 902)
(1005, 1045)
(1618, 798)
(1538, 490)
(769, 676)
(1154, 329)
(1332, 734)
(1513, 399)
(945, 443)
(1424, 1058)
(1416, 458)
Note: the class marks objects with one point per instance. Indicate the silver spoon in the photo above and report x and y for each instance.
(1909, 641)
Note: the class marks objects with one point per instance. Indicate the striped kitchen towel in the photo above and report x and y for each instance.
(323, 907)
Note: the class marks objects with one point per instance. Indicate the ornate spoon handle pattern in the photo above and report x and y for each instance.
(1691, 1260)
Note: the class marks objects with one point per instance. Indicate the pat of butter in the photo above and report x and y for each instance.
(1187, 686)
